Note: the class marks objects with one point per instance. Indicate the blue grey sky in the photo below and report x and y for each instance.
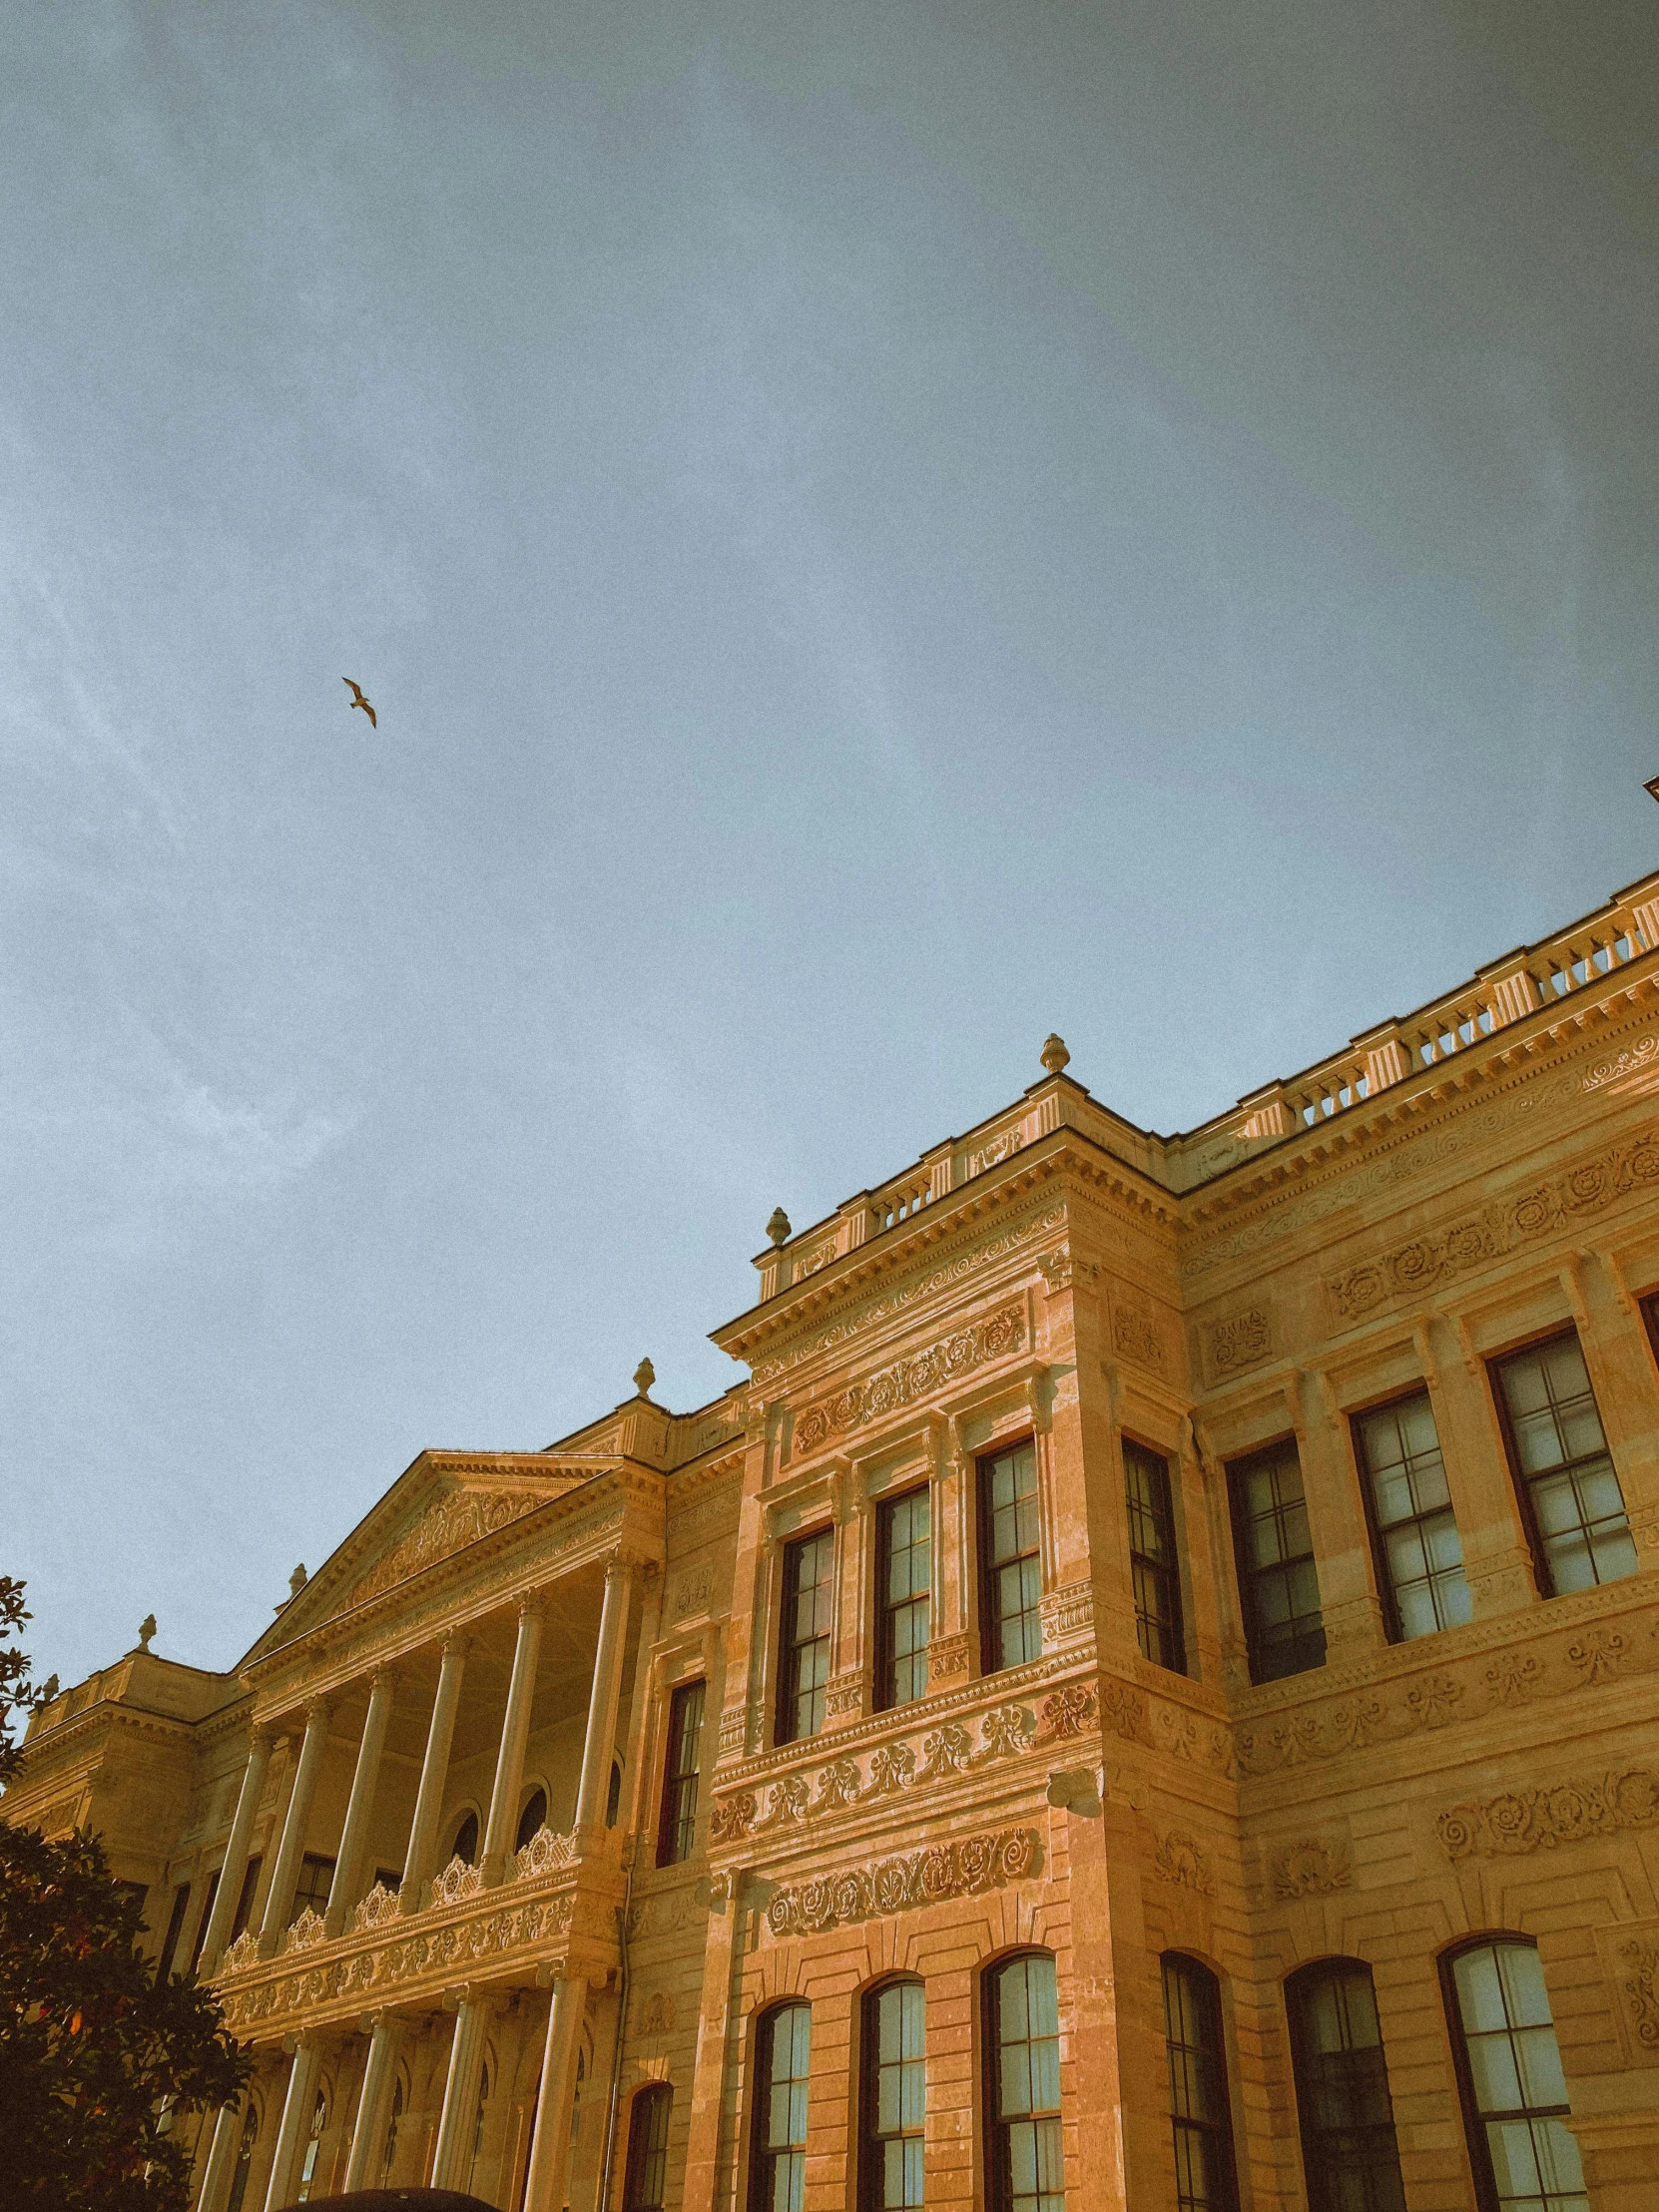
(873, 532)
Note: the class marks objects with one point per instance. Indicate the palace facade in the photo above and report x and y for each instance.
(1142, 1698)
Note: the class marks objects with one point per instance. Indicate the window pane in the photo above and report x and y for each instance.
(1026, 2156)
(1277, 1580)
(1198, 2088)
(1349, 2146)
(1571, 1483)
(1516, 2078)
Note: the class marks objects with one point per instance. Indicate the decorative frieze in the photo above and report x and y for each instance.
(948, 1658)
(464, 1518)
(967, 1868)
(689, 1595)
(1136, 1334)
(1497, 1229)
(1520, 1821)
(948, 1360)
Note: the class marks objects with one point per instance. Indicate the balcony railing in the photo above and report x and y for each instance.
(466, 1933)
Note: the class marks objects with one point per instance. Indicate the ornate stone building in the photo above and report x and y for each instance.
(1142, 1696)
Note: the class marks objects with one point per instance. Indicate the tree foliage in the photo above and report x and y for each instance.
(98, 2060)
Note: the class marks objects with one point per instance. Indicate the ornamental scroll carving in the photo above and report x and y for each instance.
(1498, 1228)
(379, 1906)
(1068, 1612)
(1312, 1867)
(967, 1868)
(1641, 1990)
(545, 1854)
(1522, 1820)
(1238, 1341)
(1136, 1334)
(947, 1362)
(1180, 1858)
(454, 1522)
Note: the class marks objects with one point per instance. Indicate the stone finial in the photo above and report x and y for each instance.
(1055, 1053)
(297, 1580)
(643, 1375)
(147, 1629)
(778, 1229)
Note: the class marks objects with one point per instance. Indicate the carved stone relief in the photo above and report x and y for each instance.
(1520, 1821)
(947, 1362)
(967, 1868)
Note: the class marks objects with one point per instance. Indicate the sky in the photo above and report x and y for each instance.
(873, 532)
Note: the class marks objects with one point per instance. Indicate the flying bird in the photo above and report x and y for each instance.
(358, 700)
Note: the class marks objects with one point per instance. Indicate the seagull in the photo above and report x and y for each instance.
(358, 700)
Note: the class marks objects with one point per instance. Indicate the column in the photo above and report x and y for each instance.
(713, 2039)
(372, 2105)
(344, 1891)
(1620, 1361)
(297, 2118)
(222, 2153)
(515, 1734)
(461, 2096)
(279, 1903)
(434, 1772)
(1348, 1604)
(598, 1747)
(232, 1872)
(544, 2184)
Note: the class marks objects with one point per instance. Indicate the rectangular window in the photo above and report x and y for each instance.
(895, 2083)
(1203, 2171)
(1152, 1558)
(784, 2045)
(681, 1769)
(1350, 2153)
(1510, 2072)
(1279, 1584)
(1010, 1559)
(808, 1617)
(310, 1892)
(200, 1935)
(244, 1902)
(175, 1925)
(904, 1545)
(1419, 1555)
(1567, 1480)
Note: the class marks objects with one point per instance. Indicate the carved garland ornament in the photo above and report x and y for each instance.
(1497, 1227)
(947, 1362)
(945, 1870)
(1563, 1813)
(1312, 1867)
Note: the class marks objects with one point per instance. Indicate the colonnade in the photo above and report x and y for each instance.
(550, 2144)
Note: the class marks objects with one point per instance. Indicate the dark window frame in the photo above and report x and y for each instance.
(1474, 2121)
(871, 2143)
(1207, 1983)
(1520, 1482)
(317, 1901)
(1386, 1592)
(676, 1817)
(762, 2153)
(990, 1566)
(1246, 1574)
(1166, 1573)
(1317, 2149)
(994, 2130)
(205, 1917)
(887, 1612)
(786, 1716)
(242, 1919)
(175, 1929)
(657, 2097)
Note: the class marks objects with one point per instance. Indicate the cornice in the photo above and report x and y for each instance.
(1521, 1076)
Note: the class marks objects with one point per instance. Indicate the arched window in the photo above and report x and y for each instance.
(390, 2152)
(893, 2096)
(244, 2159)
(1510, 2073)
(313, 2146)
(613, 1795)
(782, 2052)
(646, 2186)
(1350, 2155)
(533, 1818)
(1022, 2102)
(465, 1844)
(1204, 2173)
(576, 2097)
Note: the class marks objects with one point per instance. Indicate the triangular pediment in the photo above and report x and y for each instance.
(444, 1503)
